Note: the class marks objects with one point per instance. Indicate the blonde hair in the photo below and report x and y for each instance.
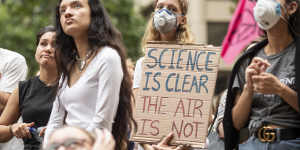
(183, 33)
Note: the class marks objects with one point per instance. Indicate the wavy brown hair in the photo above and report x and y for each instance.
(101, 33)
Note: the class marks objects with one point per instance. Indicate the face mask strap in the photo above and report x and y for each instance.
(285, 12)
(171, 12)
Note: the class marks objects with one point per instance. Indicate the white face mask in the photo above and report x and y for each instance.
(164, 20)
(267, 13)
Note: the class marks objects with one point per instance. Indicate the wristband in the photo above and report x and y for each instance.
(10, 130)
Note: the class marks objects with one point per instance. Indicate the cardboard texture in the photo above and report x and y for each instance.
(175, 93)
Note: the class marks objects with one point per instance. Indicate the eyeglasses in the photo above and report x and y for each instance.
(69, 144)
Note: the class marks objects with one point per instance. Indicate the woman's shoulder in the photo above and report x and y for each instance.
(29, 81)
(108, 54)
(26, 85)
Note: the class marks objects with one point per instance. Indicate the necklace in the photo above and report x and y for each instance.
(81, 62)
(49, 83)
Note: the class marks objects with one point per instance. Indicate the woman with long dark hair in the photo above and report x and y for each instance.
(33, 98)
(95, 88)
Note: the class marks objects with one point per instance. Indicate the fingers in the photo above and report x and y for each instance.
(155, 147)
(26, 128)
(42, 132)
(186, 147)
(259, 60)
(109, 138)
(180, 147)
(254, 67)
(256, 78)
(21, 130)
(104, 140)
(257, 89)
(263, 77)
(166, 140)
(256, 82)
(29, 124)
(257, 67)
(261, 64)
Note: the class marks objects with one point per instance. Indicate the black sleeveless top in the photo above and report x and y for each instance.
(35, 104)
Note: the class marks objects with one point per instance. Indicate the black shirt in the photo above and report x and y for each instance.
(35, 103)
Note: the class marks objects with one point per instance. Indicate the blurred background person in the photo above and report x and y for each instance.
(74, 138)
(13, 69)
(33, 98)
(215, 132)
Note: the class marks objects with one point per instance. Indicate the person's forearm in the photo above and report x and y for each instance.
(242, 108)
(4, 97)
(5, 134)
(3, 100)
(289, 95)
(1, 108)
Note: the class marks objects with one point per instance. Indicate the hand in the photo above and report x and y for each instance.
(20, 130)
(262, 64)
(266, 83)
(104, 141)
(165, 144)
(257, 66)
(42, 132)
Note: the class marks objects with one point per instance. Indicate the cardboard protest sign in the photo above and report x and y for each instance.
(175, 93)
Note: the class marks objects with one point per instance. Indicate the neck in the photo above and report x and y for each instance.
(279, 38)
(48, 75)
(171, 36)
(82, 45)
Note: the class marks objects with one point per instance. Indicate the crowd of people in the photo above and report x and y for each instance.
(83, 95)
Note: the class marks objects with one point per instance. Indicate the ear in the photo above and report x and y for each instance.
(292, 8)
(182, 20)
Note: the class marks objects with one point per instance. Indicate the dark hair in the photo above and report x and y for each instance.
(101, 32)
(43, 31)
(294, 20)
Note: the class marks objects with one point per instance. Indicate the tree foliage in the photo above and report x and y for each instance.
(20, 20)
(128, 22)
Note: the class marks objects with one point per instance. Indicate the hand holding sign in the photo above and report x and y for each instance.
(177, 86)
(164, 144)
